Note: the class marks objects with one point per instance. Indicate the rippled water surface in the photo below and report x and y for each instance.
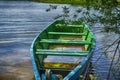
(20, 22)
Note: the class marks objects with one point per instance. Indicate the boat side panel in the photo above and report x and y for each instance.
(36, 45)
(89, 38)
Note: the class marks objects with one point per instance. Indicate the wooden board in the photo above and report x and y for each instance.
(64, 61)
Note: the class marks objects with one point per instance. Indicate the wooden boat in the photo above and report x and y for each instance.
(62, 51)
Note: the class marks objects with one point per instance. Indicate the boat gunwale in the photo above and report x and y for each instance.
(36, 73)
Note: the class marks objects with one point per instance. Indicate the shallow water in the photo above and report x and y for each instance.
(20, 22)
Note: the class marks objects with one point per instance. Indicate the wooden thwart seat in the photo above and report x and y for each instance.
(67, 33)
(61, 52)
(58, 41)
(72, 26)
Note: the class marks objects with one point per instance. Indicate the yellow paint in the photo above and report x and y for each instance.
(92, 77)
(59, 65)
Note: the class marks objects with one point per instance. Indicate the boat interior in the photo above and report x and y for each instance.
(62, 47)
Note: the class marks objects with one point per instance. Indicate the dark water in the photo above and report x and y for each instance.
(20, 22)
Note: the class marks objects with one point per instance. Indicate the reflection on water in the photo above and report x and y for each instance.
(17, 31)
(20, 22)
(20, 71)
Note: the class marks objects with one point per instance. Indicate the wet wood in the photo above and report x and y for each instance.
(64, 61)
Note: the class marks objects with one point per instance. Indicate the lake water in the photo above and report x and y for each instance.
(20, 22)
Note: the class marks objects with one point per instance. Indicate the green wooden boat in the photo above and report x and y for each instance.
(62, 51)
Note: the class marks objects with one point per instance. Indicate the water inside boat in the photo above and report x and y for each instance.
(64, 61)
